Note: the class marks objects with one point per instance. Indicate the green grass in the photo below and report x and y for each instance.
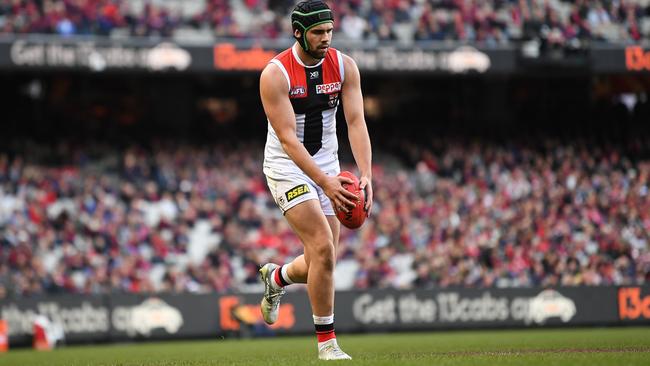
(596, 346)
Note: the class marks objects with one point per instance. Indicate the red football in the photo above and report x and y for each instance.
(355, 217)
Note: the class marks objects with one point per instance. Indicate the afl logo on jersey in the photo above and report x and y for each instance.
(297, 92)
(328, 88)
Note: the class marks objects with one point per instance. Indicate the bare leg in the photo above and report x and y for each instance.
(313, 228)
(298, 268)
(319, 235)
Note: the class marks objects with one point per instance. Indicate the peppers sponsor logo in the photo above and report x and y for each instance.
(637, 59)
(234, 313)
(296, 192)
(632, 305)
(328, 88)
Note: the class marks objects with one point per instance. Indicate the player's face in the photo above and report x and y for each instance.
(319, 39)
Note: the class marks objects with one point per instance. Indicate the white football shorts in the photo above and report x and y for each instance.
(293, 188)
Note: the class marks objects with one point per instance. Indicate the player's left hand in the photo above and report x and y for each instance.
(366, 183)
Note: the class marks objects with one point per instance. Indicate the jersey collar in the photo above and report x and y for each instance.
(295, 55)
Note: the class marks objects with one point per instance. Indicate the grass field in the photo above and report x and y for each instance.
(597, 346)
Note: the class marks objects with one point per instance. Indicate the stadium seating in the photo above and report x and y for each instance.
(182, 218)
(560, 23)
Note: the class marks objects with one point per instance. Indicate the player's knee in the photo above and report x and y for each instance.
(324, 254)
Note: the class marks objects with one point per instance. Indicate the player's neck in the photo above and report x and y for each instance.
(306, 58)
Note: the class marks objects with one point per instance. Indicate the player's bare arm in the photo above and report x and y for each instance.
(274, 92)
(357, 130)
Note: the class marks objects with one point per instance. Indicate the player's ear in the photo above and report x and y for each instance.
(296, 33)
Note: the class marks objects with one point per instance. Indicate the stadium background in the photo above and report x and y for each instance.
(511, 155)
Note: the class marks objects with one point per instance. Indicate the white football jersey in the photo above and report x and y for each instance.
(314, 92)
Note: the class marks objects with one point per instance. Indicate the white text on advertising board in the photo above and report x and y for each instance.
(451, 307)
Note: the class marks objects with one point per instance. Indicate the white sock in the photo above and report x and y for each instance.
(324, 320)
(321, 320)
(285, 274)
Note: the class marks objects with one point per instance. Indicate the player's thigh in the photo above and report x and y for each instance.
(310, 224)
(335, 227)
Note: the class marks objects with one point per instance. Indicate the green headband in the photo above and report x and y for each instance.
(306, 21)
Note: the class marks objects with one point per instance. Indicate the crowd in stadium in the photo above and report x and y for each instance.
(182, 218)
(560, 22)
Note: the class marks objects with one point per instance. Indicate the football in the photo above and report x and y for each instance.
(354, 218)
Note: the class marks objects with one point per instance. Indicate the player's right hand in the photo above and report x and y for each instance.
(341, 198)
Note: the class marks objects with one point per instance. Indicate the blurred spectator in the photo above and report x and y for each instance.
(352, 25)
(182, 218)
(557, 22)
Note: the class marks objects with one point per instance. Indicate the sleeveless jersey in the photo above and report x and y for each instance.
(314, 94)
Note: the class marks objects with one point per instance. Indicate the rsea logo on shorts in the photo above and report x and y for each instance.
(297, 191)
